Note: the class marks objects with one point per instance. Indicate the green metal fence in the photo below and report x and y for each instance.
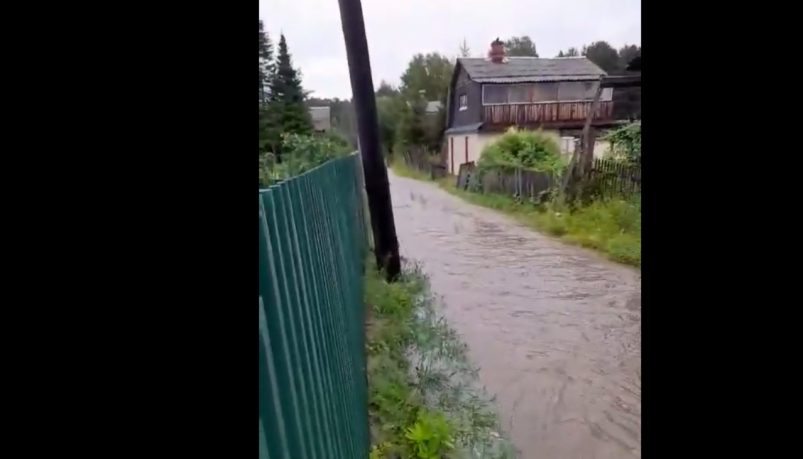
(313, 395)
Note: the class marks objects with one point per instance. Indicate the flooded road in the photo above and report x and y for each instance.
(555, 330)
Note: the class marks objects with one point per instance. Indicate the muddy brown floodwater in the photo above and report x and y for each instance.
(555, 330)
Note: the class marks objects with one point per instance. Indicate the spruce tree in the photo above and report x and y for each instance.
(265, 62)
(286, 106)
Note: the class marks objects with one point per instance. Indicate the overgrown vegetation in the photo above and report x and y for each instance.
(531, 150)
(612, 226)
(423, 398)
(626, 144)
(301, 153)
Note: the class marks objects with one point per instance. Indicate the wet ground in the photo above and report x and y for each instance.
(555, 329)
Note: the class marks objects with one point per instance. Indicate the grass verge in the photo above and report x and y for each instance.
(612, 227)
(423, 396)
(402, 169)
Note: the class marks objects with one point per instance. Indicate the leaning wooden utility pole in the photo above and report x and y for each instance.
(377, 186)
(583, 155)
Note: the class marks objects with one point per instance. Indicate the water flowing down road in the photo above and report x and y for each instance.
(555, 330)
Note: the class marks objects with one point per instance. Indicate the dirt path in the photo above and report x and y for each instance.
(555, 330)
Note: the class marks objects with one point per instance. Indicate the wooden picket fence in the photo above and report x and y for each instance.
(614, 178)
(607, 178)
(425, 162)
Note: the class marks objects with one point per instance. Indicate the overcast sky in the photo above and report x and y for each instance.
(397, 29)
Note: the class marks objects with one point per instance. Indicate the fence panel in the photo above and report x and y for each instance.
(611, 177)
(313, 395)
(615, 178)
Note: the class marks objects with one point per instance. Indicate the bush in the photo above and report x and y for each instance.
(626, 144)
(336, 139)
(301, 153)
(532, 150)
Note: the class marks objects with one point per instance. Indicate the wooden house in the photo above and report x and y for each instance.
(489, 95)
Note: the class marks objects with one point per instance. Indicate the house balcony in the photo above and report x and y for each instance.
(560, 113)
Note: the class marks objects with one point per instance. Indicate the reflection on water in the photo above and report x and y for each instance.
(555, 330)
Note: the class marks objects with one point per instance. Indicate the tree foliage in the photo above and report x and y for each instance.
(286, 111)
(520, 46)
(430, 73)
(386, 89)
(265, 62)
(281, 108)
(626, 143)
(426, 79)
(388, 110)
(604, 55)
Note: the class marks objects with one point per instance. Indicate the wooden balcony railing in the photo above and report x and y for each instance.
(546, 112)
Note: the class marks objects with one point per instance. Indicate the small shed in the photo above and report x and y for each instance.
(321, 118)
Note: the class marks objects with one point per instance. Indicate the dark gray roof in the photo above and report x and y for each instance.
(464, 129)
(531, 69)
(433, 106)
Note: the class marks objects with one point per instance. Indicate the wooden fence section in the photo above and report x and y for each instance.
(518, 182)
(606, 178)
(426, 163)
(614, 178)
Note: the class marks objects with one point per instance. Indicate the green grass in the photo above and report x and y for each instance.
(612, 227)
(423, 397)
(404, 170)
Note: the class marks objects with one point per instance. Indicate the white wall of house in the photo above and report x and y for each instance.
(463, 148)
(567, 147)
(601, 148)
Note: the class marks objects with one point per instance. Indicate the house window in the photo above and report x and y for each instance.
(570, 91)
(545, 92)
(582, 90)
(463, 101)
(575, 91)
(520, 93)
(494, 94)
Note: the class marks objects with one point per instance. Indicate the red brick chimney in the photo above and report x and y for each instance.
(497, 52)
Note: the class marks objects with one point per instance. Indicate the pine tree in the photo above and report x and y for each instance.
(286, 100)
(265, 62)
